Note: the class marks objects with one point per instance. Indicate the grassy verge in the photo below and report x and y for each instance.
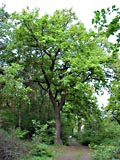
(41, 151)
(58, 150)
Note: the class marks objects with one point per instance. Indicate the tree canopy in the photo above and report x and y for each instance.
(58, 56)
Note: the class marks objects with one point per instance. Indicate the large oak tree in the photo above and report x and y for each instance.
(57, 53)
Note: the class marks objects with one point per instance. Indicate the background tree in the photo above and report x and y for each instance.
(4, 17)
(14, 94)
(107, 27)
(110, 28)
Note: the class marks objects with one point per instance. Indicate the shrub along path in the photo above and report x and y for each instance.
(74, 152)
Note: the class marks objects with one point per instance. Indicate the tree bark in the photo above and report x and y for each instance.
(79, 125)
(58, 126)
(19, 117)
(57, 108)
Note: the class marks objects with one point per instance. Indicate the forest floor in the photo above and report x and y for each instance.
(73, 152)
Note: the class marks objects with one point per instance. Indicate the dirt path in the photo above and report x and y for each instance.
(85, 153)
(74, 152)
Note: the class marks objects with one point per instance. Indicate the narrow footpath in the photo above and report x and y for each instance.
(74, 152)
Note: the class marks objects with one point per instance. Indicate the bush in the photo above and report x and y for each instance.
(90, 135)
(39, 152)
(9, 148)
(66, 129)
(44, 133)
(106, 152)
(21, 133)
(110, 144)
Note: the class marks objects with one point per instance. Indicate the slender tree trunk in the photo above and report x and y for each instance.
(19, 116)
(79, 124)
(58, 126)
(79, 127)
(72, 132)
(0, 104)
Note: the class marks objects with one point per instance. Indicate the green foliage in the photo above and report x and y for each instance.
(109, 144)
(62, 62)
(14, 92)
(113, 107)
(82, 102)
(14, 89)
(4, 28)
(106, 152)
(55, 43)
(21, 133)
(38, 152)
(67, 122)
(36, 158)
(41, 150)
(108, 26)
(8, 119)
(54, 54)
(91, 133)
(109, 147)
(44, 133)
(103, 23)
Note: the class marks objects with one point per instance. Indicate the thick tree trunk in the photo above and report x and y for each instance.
(58, 105)
(58, 126)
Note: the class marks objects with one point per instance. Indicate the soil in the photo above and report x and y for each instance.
(74, 152)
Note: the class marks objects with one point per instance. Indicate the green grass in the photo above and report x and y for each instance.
(32, 151)
(39, 151)
(58, 150)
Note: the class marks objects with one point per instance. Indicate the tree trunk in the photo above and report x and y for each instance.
(19, 117)
(58, 105)
(79, 125)
(58, 126)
